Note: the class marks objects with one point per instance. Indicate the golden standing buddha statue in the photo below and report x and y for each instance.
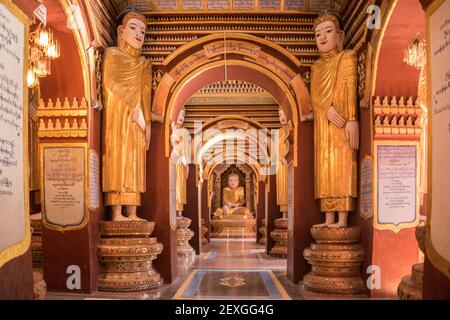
(336, 129)
(179, 139)
(126, 117)
(282, 162)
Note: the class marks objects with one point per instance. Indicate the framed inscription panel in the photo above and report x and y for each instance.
(243, 4)
(366, 188)
(167, 5)
(64, 185)
(397, 185)
(269, 4)
(192, 4)
(438, 222)
(94, 180)
(14, 192)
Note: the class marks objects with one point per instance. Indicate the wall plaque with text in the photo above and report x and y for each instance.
(167, 5)
(218, 4)
(294, 4)
(270, 4)
(192, 4)
(366, 192)
(243, 4)
(64, 186)
(397, 186)
(318, 5)
(438, 237)
(94, 180)
(14, 215)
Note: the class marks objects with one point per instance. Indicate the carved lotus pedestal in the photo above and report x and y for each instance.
(336, 258)
(262, 230)
(411, 286)
(204, 230)
(280, 236)
(126, 252)
(36, 241)
(184, 234)
(233, 226)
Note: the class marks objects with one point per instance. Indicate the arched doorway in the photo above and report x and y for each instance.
(211, 59)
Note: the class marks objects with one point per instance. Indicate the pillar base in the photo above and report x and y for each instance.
(184, 234)
(36, 241)
(126, 253)
(233, 227)
(280, 236)
(411, 286)
(336, 260)
(263, 230)
(204, 231)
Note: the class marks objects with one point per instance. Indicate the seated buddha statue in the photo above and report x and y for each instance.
(233, 199)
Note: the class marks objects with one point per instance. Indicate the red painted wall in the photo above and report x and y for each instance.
(395, 77)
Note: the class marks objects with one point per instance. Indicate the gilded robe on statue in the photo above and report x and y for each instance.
(234, 198)
(333, 83)
(282, 168)
(126, 85)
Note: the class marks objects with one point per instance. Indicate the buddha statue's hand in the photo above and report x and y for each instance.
(352, 134)
(335, 118)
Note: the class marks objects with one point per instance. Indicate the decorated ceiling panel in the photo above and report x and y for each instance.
(232, 5)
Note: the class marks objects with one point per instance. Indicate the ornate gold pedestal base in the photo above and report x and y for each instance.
(126, 253)
(263, 230)
(336, 259)
(184, 234)
(204, 230)
(280, 236)
(233, 227)
(36, 241)
(39, 285)
(411, 286)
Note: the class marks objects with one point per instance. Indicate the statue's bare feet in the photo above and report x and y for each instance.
(321, 225)
(338, 225)
(136, 218)
(120, 218)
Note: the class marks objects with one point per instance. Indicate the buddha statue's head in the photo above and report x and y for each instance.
(328, 32)
(132, 29)
(282, 116)
(233, 181)
(181, 115)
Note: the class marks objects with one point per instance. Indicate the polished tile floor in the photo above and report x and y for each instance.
(226, 269)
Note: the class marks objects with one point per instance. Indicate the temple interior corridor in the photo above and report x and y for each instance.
(209, 150)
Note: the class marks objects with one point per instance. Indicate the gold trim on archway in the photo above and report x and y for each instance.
(246, 64)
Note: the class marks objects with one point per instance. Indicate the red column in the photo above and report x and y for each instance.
(273, 212)
(306, 209)
(191, 209)
(16, 279)
(436, 286)
(63, 249)
(155, 204)
(205, 210)
(261, 208)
